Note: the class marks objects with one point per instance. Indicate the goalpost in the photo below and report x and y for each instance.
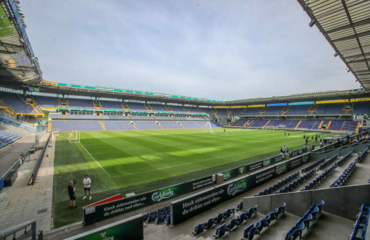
(74, 137)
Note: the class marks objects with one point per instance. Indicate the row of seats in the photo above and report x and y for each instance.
(344, 158)
(313, 165)
(330, 160)
(7, 138)
(278, 185)
(319, 179)
(235, 223)
(360, 226)
(303, 224)
(346, 173)
(342, 178)
(295, 184)
(213, 221)
(253, 230)
(158, 216)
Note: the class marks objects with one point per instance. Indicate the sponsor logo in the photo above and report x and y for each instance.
(236, 187)
(305, 158)
(279, 158)
(226, 175)
(104, 237)
(266, 162)
(160, 195)
(280, 169)
(241, 170)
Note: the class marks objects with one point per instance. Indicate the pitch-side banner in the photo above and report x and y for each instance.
(114, 208)
(188, 207)
(264, 163)
(129, 228)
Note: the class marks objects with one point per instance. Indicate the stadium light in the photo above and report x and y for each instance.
(336, 54)
(313, 22)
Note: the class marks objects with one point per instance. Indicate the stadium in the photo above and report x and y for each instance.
(171, 166)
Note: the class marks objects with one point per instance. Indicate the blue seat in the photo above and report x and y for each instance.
(198, 229)
(219, 218)
(209, 224)
(239, 206)
(151, 218)
(168, 220)
(260, 225)
(160, 218)
(241, 218)
(228, 213)
(231, 225)
(249, 232)
(220, 231)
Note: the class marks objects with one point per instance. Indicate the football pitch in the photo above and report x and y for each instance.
(139, 161)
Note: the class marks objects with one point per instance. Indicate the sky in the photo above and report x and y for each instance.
(214, 49)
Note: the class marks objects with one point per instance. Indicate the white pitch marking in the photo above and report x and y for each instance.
(95, 160)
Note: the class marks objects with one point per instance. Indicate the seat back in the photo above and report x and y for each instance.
(220, 231)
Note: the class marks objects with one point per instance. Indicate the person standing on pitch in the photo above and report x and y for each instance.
(87, 186)
(72, 195)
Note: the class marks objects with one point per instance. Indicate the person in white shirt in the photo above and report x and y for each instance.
(87, 186)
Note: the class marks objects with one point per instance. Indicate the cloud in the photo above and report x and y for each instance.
(221, 50)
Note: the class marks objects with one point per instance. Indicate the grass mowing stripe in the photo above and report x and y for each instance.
(189, 163)
(94, 159)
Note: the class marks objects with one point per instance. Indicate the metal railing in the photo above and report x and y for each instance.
(13, 230)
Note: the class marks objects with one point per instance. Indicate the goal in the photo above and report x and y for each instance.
(74, 137)
(271, 128)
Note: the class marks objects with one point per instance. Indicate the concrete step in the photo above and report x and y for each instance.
(178, 237)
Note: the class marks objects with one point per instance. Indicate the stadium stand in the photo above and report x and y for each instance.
(118, 125)
(189, 124)
(253, 111)
(361, 108)
(298, 110)
(147, 125)
(178, 109)
(273, 111)
(140, 117)
(259, 123)
(110, 105)
(46, 102)
(136, 106)
(278, 185)
(158, 108)
(7, 138)
(170, 124)
(80, 103)
(118, 117)
(76, 125)
(15, 102)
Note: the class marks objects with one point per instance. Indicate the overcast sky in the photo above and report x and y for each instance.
(214, 49)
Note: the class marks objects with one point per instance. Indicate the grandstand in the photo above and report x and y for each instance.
(208, 169)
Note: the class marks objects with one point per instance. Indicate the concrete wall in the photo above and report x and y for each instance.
(342, 201)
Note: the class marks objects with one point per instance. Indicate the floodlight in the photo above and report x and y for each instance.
(313, 22)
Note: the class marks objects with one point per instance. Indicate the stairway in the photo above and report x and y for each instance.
(267, 123)
(299, 123)
(124, 106)
(102, 125)
(168, 108)
(159, 124)
(262, 112)
(97, 104)
(181, 125)
(215, 113)
(33, 105)
(134, 125)
(229, 112)
(328, 126)
(320, 125)
(61, 104)
(147, 106)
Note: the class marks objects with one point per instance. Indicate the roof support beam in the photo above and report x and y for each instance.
(356, 36)
(360, 23)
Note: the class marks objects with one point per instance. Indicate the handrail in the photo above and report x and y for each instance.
(38, 164)
(12, 230)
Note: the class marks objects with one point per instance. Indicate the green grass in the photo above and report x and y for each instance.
(139, 161)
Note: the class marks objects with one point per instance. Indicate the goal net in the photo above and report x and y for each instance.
(271, 128)
(74, 137)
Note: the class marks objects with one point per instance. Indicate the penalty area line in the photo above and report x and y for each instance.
(94, 159)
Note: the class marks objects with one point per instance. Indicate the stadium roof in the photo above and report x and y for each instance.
(18, 63)
(346, 25)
